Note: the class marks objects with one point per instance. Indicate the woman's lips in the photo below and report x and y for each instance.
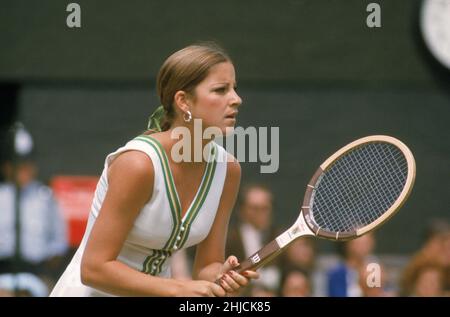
(232, 115)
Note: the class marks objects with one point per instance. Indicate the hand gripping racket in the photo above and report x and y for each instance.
(352, 193)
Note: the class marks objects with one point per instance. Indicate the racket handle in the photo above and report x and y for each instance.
(258, 259)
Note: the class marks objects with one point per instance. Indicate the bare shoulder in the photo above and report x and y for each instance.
(233, 168)
(132, 169)
(134, 161)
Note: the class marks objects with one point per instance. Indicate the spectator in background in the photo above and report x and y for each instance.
(372, 286)
(446, 251)
(31, 265)
(424, 278)
(343, 279)
(430, 265)
(435, 246)
(259, 290)
(254, 230)
(295, 283)
(301, 256)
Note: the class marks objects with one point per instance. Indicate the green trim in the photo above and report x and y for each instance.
(157, 255)
(166, 255)
(172, 195)
(201, 199)
(175, 205)
(146, 267)
(153, 268)
(170, 187)
(168, 180)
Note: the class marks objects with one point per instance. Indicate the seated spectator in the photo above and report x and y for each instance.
(424, 279)
(343, 279)
(252, 231)
(295, 283)
(300, 255)
(33, 234)
(433, 256)
(373, 281)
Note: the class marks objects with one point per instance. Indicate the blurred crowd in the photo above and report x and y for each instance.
(34, 246)
(355, 270)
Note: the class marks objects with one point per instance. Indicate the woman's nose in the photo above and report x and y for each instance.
(236, 101)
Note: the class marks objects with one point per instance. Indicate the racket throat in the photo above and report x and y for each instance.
(299, 229)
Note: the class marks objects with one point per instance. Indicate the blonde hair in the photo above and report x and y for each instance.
(184, 70)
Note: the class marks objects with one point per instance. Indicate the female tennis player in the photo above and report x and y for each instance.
(147, 205)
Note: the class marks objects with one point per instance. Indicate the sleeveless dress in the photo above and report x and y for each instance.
(159, 230)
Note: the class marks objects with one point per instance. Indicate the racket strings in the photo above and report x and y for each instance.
(359, 187)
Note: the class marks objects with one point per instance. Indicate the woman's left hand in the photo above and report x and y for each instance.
(230, 280)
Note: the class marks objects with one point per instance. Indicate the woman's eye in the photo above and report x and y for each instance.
(220, 90)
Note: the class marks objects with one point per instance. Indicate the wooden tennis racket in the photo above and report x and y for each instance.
(353, 192)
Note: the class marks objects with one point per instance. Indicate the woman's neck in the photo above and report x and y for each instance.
(187, 144)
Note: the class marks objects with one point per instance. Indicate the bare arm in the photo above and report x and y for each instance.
(130, 186)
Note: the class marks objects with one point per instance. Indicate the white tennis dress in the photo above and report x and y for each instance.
(159, 229)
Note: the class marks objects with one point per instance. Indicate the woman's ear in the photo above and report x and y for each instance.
(181, 101)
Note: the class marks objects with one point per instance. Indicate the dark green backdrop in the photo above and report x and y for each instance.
(312, 68)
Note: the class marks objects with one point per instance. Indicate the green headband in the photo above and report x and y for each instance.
(156, 118)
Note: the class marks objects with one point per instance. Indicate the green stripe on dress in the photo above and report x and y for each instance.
(174, 194)
(166, 255)
(201, 192)
(204, 191)
(176, 205)
(170, 188)
(148, 263)
(172, 242)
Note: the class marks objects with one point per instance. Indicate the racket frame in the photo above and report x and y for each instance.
(306, 226)
(325, 166)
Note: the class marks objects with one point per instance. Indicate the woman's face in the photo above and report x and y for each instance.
(257, 208)
(216, 101)
(362, 247)
(301, 253)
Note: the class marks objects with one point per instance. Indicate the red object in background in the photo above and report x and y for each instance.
(74, 195)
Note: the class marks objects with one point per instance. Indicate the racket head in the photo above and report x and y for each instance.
(359, 188)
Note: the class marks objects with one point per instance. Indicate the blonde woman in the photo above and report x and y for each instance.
(148, 205)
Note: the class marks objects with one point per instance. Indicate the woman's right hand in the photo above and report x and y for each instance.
(199, 288)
